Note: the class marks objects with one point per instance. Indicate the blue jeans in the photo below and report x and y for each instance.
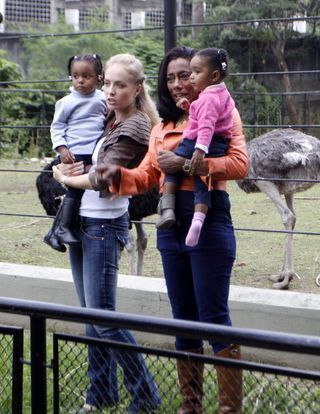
(198, 278)
(94, 264)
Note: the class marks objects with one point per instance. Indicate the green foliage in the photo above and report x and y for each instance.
(22, 108)
(257, 106)
(8, 70)
(46, 58)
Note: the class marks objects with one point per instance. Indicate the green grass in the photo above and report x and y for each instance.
(259, 255)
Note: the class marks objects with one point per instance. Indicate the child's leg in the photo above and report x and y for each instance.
(65, 232)
(196, 225)
(171, 184)
(166, 204)
(202, 201)
(62, 230)
(217, 148)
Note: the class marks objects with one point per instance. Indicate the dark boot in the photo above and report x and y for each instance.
(190, 374)
(166, 210)
(230, 383)
(51, 239)
(64, 231)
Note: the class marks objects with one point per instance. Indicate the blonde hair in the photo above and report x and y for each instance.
(134, 66)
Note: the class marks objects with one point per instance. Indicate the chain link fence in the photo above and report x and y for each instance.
(266, 388)
(208, 382)
(11, 351)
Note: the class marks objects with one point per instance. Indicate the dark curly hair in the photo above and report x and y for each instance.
(95, 59)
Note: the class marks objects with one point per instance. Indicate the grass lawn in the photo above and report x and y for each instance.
(259, 254)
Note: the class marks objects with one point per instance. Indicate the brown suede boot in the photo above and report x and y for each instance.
(190, 374)
(230, 382)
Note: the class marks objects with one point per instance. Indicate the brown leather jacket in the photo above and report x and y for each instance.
(126, 143)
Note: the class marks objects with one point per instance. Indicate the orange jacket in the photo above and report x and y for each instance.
(233, 166)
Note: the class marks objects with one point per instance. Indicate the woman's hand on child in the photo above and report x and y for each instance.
(77, 168)
(169, 162)
(58, 175)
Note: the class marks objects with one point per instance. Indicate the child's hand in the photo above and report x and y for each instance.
(197, 158)
(67, 157)
(183, 104)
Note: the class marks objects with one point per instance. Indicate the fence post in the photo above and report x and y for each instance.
(38, 365)
(170, 20)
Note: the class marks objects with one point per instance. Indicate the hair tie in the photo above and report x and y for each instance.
(94, 56)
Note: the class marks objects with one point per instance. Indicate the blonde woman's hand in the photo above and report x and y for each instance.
(77, 168)
(58, 175)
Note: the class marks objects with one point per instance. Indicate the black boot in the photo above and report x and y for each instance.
(64, 230)
(51, 239)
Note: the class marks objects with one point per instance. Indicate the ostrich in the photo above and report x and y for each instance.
(50, 193)
(283, 153)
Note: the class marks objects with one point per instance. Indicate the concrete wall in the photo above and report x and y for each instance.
(281, 311)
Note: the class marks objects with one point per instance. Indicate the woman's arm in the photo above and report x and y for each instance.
(235, 164)
(80, 181)
(139, 179)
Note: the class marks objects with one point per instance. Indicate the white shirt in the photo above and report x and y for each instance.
(102, 207)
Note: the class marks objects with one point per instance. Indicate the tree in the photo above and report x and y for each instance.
(272, 35)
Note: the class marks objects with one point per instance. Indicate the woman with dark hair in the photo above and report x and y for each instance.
(197, 278)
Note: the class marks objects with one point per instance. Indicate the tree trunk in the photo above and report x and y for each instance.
(197, 15)
(278, 50)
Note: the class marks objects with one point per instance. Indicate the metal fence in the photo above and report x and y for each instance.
(260, 111)
(59, 385)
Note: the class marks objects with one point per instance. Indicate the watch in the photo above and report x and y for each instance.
(187, 166)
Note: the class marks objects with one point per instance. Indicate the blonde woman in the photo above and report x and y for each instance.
(103, 232)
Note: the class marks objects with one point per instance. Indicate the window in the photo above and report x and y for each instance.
(27, 11)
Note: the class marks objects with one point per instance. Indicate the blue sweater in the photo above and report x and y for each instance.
(78, 121)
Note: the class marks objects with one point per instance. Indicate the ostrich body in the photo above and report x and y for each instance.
(287, 154)
(50, 193)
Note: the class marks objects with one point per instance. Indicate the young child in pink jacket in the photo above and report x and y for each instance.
(207, 135)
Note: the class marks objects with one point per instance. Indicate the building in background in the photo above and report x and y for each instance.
(127, 14)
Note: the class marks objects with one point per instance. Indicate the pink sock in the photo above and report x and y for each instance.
(195, 229)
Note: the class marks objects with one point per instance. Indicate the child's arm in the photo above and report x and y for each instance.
(66, 156)
(183, 104)
(197, 158)
(58, 132)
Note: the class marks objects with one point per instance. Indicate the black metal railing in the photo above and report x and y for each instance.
(266, 388)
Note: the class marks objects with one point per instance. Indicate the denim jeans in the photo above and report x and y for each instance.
(198, 278)
(94, 264)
